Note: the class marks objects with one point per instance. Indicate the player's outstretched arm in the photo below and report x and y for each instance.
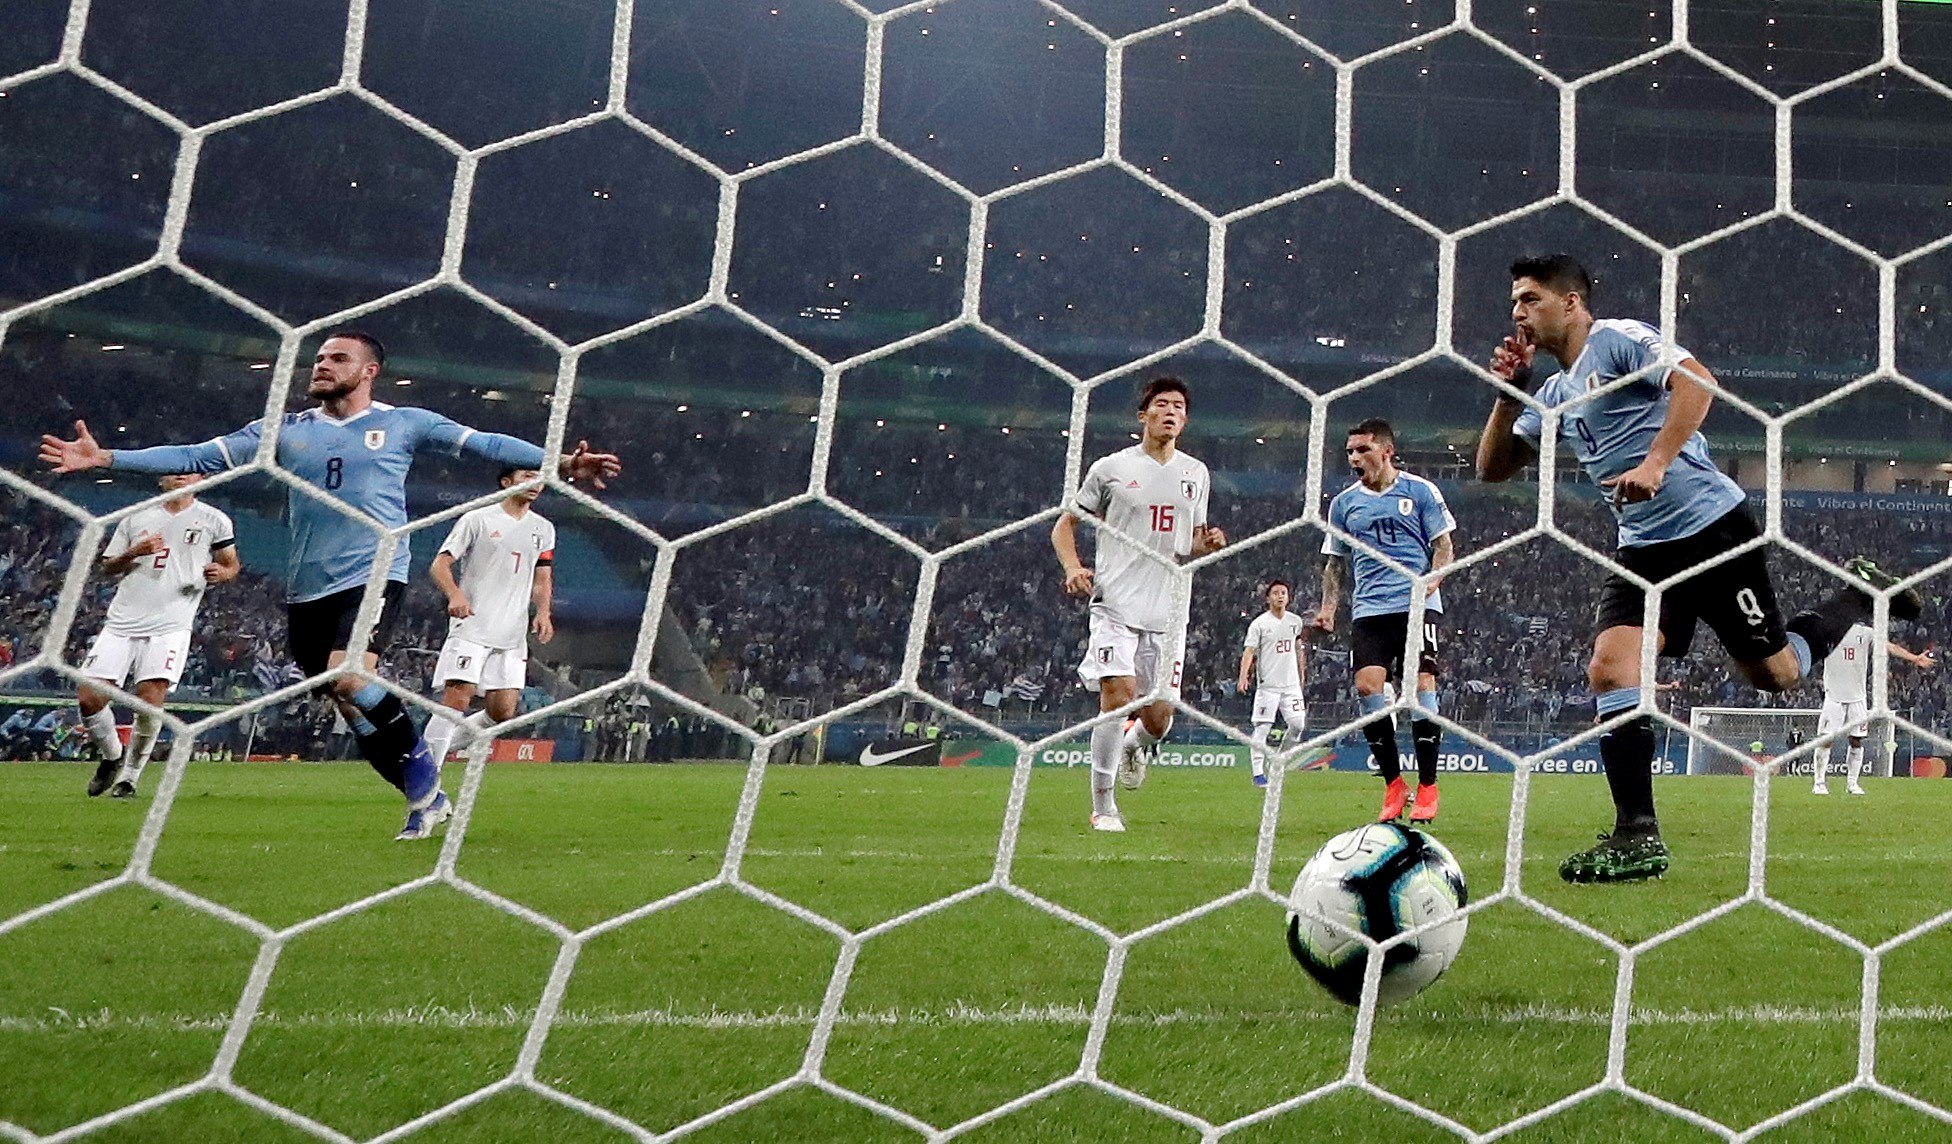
(84, 453)
(1064, 539)
(1247, 669)
(1922, 660)
(581, 463)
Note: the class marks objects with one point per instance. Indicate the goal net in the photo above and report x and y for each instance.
(861, 290)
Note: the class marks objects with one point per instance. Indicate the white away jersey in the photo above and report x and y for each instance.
(161, 594)
(1846, 671)
(1276, 665)
(1158, 505)
(498, 555)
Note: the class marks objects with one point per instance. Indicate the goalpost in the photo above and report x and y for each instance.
(1779, 730)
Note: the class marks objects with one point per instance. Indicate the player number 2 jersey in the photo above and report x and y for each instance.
(498, 555)
(162, 592)
(1159, 506)
(1276, 666)
(1846, 671)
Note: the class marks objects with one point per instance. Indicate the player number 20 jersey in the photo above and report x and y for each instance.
(1276, 665)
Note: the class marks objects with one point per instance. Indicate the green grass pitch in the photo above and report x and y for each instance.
(385, 1014)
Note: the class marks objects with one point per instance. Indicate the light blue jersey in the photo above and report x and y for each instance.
(363, 461)
(1609, 435)
(1403, 522)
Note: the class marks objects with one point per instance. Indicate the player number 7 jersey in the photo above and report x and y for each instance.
(498, 555)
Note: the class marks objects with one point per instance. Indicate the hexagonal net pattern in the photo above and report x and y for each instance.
(1347, 171)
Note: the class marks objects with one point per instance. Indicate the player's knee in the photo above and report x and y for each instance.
(1116, 691)
(91, 700)
(1772, 675)
(1371, 681)
(1605, 672)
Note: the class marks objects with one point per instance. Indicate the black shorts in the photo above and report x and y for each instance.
(1735, 598)
(317, 628)
(1379, 642)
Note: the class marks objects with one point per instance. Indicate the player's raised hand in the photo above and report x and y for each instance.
(543, 627)
(1926, 661)
(1324, 620)
(1208, 538)
(583, 465)
(1637, 484)
(74, 456)
(1078, 581)
(215, 573)
(1512, 360)
(459, 606)
(148, 544)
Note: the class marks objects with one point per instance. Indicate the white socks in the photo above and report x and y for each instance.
(101, 731)
(1258, 758)
(1854, 760)
(444, 735)
(142, 741)
(1107, 739)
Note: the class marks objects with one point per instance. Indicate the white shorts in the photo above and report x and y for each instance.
(487, 668)
(1117, 650)
(119, 658)
(1288, 704)
(1850, 716)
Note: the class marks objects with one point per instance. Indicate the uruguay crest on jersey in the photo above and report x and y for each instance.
(375, 439)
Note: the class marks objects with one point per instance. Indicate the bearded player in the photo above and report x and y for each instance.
(358, 450)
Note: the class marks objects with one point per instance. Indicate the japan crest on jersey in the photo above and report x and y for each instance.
(190, 536)
(1189, 490)
(375, 438)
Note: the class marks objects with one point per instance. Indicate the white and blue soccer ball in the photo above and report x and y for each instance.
(1378, 880)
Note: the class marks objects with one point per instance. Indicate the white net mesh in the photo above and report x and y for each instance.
(995, 202)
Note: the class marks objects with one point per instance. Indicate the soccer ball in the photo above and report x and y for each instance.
(1378, 880)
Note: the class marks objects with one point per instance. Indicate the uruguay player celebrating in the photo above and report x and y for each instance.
(1404, 517)
(359, 451)
(1642, 443)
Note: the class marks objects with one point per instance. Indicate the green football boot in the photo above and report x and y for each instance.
(1627, 858)
(1907, 605)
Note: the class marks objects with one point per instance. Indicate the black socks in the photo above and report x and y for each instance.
(1627, 751)
(1426, 737)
